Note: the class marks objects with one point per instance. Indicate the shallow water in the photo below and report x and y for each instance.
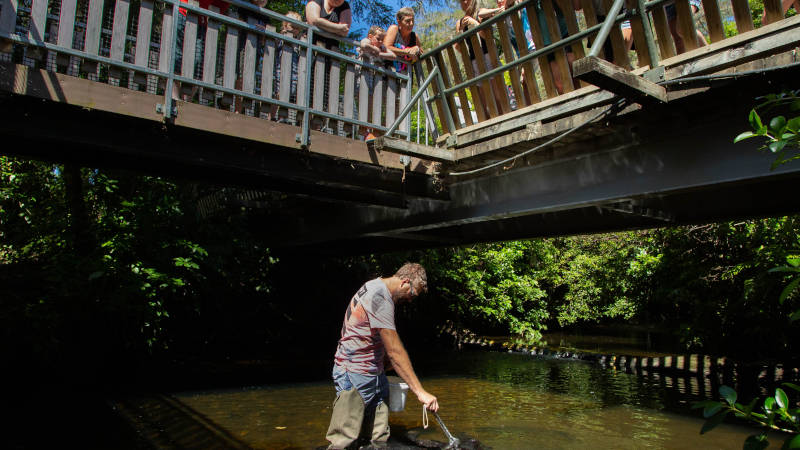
(505, 401)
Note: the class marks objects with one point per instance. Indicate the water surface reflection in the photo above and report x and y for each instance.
(503, 400)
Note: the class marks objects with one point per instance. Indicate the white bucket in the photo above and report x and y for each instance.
(397, 394)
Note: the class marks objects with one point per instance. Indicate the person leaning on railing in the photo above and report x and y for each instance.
(333, 16)
(402, 40)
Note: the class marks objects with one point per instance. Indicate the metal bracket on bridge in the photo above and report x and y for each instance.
(160, 109)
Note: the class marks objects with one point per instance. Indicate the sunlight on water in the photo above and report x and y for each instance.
(504, 401)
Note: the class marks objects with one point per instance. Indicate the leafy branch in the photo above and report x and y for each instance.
(782, 134)
(774, 414)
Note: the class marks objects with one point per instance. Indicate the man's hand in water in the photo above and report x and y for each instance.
(428, 400)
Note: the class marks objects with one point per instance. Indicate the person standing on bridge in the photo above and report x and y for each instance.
(368, 336)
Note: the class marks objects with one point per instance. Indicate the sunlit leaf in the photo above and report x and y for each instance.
(776, 146)
(776, 124)
(755, 120)
(745, 135)
(781, 398)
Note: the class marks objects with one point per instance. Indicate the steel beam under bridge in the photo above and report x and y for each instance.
(688, 172)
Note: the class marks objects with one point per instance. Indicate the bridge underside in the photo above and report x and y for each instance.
(646, 167)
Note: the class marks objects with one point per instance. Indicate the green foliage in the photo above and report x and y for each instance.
(776, 413)
(782, 134)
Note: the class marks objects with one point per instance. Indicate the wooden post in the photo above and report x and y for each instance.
(267, 72)
(714, 20)
(474, 89)
(774, 10)
(92, 43)
(249, 68)
(560, 54)
(438, 101)
(363, 94)
(572, 28)
(377, 98)
(685, 24)
(462, 94)
(119, 32)
(229, 65)
(349, 96)
(38, 22)
(531, 86)
(637, 28)
(207, 96)
(741, 13)
(544, 64)
(143, 33)
(403, 101)
(501, 91)
(666, 45)
(302, 87)
(449, 98)
(514, 75)
(8, 23)
(488, 95)
(333, 92)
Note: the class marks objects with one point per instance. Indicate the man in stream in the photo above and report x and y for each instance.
(368, 336)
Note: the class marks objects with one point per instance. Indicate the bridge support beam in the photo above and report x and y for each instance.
(613, 78)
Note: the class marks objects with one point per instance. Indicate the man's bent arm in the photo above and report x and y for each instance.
(402, 365)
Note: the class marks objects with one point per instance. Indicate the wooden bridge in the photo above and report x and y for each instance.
(522, 143)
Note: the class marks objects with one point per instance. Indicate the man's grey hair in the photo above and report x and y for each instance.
(415, 272)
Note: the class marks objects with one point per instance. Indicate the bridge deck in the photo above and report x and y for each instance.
(111, 81)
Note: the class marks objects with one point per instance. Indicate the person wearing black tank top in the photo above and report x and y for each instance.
(333, 16)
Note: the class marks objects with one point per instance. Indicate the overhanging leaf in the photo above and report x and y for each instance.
(788, 290)
(755, 120)
(728, 394)
(781, 398)
(745, 135)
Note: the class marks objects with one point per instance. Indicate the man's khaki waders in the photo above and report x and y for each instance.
(348, 418)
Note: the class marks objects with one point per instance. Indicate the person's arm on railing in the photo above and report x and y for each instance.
(486, 13)
(410, 53)
(313, 18)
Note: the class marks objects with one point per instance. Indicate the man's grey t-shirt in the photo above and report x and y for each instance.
(360, 348)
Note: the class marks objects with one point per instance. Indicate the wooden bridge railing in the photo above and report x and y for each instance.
(487, 79)
(233, 60)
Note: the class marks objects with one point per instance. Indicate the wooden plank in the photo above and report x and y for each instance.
(92, 41)
(349, 93)
(572, 28)
(285, 82)
(404, 147)
(610, 77)
(38, 20)
(501, 91)
(364, 94)
(333, 90)
(438, 102)
(462, 94)
(555, 36)
(662, 35)
(62, 88)
(474, 89)
(143, 32)
(531, 86)
(249, 61)
(486, 86)
(391, 100)
(404, 97)
(741, 13)
(302, 86)
(119, 30)
(637, 29)
(318, 101)
(66, 22)
(377, 99)
(621, 57)
(714, 20)
(166, 41)
(229, 64)
(210, 51)
(268, 67)
(544, 64)
(685, 24)
(189, 46)
(446, 80)
(66, 32)
(774, 10)
(8, 22)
